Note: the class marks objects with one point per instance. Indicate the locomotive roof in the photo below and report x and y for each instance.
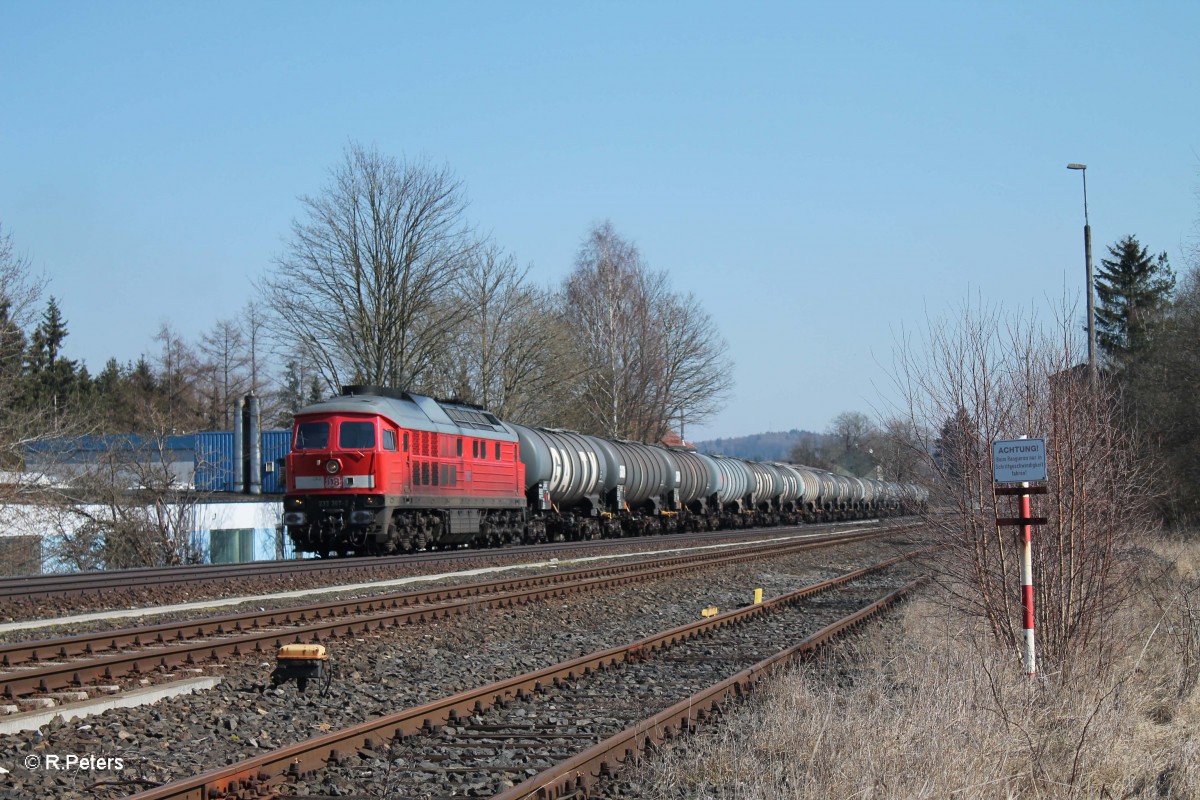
(416, 412)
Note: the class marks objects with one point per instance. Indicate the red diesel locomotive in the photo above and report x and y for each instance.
(379, 471)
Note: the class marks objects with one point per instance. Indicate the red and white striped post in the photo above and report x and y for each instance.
(1027, 582)
(1020, 461)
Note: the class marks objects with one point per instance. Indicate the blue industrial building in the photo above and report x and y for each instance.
(205, 460)
(213, 460)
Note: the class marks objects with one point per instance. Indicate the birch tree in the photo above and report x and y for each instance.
(646, 356)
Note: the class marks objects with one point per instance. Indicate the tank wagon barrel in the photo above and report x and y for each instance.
(569, 465)
(699, 478)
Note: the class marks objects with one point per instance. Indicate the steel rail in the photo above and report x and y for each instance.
(255, 773)
(67, 584)
(95, 643)
(75, 674)
(575, 776)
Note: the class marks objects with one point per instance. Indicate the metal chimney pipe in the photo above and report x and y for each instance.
(254, 444)
(239, 450)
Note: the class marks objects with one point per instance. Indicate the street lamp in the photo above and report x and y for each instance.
(1091, 291)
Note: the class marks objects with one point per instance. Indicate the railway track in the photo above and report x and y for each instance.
(17, 593)
(74, 662)
(554, 732)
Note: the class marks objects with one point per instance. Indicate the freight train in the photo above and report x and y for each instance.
(377, 471)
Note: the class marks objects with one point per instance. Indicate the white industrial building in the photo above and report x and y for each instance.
(239, 528)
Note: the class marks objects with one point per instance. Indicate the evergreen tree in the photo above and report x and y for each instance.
(111, 395)
(1135, 289)
(12, 345)
(1161, 393)
(51, 383)
(958, 450)
(48, 337)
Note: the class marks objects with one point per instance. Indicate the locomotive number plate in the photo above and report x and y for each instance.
(333, 481)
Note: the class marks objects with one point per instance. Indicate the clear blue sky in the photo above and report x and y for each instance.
(819, 174)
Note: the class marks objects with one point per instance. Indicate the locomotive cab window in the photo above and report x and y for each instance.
(389, 440)
(312, 436)
(406, 442)
(356, 436)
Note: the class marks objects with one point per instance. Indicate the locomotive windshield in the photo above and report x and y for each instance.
(356, 435)
(312, 436)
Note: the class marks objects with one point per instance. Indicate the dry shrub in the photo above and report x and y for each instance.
(991, 374)
(927, 704)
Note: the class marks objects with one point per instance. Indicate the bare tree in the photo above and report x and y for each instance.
(506, 354)
(812, 451)
(179, 369)
(647, 357)
(606, 306)
(253, 325)
(129, 508)
(696, 373)
(849, 444)
(360, 288)
(899, 450)
(995, 375)
(224, 370)
(20, 290)
(19, 296)
(22, 425)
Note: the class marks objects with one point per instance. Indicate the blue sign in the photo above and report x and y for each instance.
(1019, 460)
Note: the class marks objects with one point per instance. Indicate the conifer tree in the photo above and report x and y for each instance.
(12, 345)
(957, 450)
(51, 382)
(1135, 289)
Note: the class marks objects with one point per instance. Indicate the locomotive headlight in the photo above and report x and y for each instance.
(362, 517)
(333, 466)
(294, 518)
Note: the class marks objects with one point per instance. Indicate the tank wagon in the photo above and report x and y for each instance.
(377, 470)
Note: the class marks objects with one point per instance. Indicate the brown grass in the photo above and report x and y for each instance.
(925, 705)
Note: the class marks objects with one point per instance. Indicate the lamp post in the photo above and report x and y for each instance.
(1091, 289)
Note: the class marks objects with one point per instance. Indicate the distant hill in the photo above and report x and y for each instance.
(771, 446)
